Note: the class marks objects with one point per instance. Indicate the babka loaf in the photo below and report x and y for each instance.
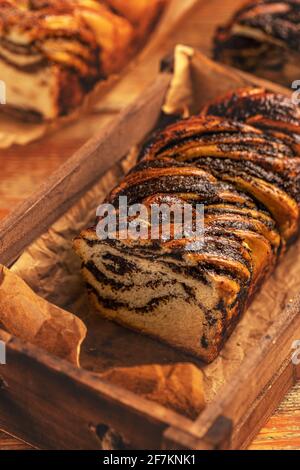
(263, 37)
(53, 52)
(240, 158)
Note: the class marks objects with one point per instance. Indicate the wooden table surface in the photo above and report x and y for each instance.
(23, 169)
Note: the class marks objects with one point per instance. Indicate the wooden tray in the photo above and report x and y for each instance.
(51, 404)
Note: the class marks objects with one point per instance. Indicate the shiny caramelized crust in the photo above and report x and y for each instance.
(263, 37)
(241, 159)
(59, 49)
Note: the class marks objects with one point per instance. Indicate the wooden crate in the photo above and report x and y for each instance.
(52, 404)
(25, 167)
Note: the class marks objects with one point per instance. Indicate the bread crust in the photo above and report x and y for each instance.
(263, 37)
(71, 44)
(240, 158)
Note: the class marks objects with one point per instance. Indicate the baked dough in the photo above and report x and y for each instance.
(241, 159)
(53, 52)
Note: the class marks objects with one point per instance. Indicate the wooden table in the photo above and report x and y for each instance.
(23, 169)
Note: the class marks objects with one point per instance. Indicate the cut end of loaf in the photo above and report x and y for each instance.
(158, 295)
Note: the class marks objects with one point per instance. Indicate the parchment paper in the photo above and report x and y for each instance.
(31, 318)
(13, 131)
(51, 268)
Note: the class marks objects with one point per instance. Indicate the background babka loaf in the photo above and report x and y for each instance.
(53, 52)
(241, 159)
(263, 37)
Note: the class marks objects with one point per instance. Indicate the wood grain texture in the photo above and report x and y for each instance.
(282, 432)
(23, 170)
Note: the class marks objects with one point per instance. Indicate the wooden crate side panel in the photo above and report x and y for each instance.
(51, 404)
(91, 407)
